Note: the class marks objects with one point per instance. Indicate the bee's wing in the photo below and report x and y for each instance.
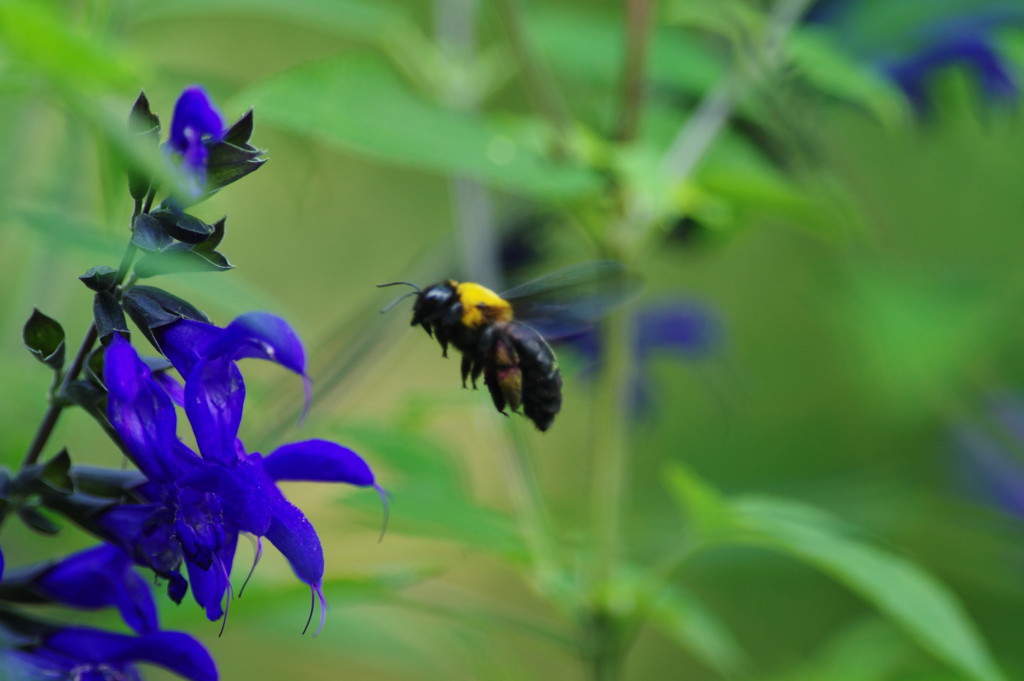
(570, 300)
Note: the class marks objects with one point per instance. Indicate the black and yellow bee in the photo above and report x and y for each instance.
(500, 335)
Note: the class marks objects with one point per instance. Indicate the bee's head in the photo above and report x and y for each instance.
(432, 302)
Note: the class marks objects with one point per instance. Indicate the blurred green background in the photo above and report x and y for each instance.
(851, 247)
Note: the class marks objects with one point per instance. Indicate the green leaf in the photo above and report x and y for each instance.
(39, 38)
(905, 593)
(429, 497)
(360, 104)
(181, 258)
(681, 616)
(44, 338)
(705, 508)
(363, 19)
(837, 74)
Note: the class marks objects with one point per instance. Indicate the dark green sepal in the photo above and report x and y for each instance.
(149, 233)
(87, 395)
(151, 307)
(184, 227)
(44, 338)
(144, 128)
(181, 258)
(240, 131)
(19, 631)
(108, 316)
(5, 491)
(156, 364)
(215, 238)
(232, 158)
(100, 278)
(34, 519)
(94, 365)
(110, 483)
(55, 473)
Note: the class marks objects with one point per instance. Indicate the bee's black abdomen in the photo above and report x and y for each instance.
(541, 380)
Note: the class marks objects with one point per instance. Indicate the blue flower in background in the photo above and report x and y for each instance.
(84, 654)
(987, 462)
(195, 125)
(198, 503)
(683, 329)
(912, 43)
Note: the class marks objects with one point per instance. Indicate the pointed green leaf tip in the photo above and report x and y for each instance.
(144, 129)
(44, 338)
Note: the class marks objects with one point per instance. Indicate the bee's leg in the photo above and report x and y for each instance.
(466, 368)
(478, 368)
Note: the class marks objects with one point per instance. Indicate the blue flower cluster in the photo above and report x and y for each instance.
(180, 514)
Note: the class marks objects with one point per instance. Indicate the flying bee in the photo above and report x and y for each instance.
(500, 335)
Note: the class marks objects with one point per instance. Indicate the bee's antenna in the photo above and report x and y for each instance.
(400, 298)
(396, 283)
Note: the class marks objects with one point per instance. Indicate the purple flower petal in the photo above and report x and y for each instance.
(261, 335)
(209, 586)
(174, 390)
(318, 460)
(195, 123)
(295, 538)
(99, 577)
(214, 396)
(177, 652)
(185, 342)
(242, 490)
(139, 410)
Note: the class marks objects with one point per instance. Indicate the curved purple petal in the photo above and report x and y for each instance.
(194, 118)
(174, 390)
(99, 577)
(295, 538)
(185, 342)
(140, 411)
(209, 586)
(177, 652)
(261, 335)
(320, 461)
(214, 396)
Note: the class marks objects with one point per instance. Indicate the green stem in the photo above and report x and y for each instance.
(540, 86)
(609, 445)
(533, 518)
(638, 35)
(57, 396)
(57, 405)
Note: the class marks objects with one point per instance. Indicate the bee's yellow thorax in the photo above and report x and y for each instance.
(481, 305)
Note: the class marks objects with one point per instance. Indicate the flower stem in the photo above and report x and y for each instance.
(57, 400)
(540, 86)
(57, 405)
(638, 35)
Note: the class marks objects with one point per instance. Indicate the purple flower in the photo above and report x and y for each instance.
(83, 654)
(987, 466)
(686, 330)
(198, 503)
(95, 578)
(195, 125)
(914, 46)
